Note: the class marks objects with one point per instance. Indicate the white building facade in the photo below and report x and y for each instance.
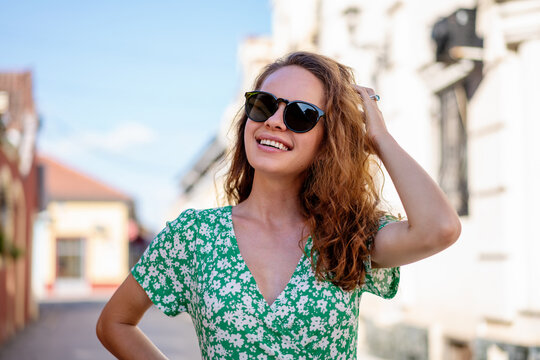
(469, 116)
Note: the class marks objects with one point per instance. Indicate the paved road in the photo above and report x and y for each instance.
(67, 331)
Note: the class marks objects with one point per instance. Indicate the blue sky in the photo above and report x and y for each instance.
(130, 92)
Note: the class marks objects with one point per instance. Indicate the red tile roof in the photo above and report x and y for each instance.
(61, 182)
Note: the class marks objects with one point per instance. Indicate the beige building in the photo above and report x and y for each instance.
(81, 236)
(459, 87)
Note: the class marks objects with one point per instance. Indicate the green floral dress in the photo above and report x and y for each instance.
(194, 265)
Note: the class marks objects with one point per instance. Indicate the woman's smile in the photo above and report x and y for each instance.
(267, 142)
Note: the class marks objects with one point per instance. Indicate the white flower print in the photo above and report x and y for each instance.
(223, 264)
(300, 304)
(336, 333)
(168, 299)
(169, 272)
(152, 271)
(333, 350)
(218, 305)
(181, 253)
(221, 350)
(286, 342)
(316, 324)
(332, 320)
(230, 287)
(204, 230)
(237, 340)
(207, 248)
(228, 317)
(249, 321)
(321, 304)
(194, 265)
(340, 306)
(290, 321)
(269, 318)
(168, 245)
(252, 338)
(267, 349)
(178, 286)
(184, 270)
(245, 276)
(222, 335)
(248, 301)
(323, 343)
(282, 311)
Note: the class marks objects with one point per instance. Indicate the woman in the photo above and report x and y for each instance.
(279, 275)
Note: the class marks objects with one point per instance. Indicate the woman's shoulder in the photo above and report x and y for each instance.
(192, 217)
(203, 213)
(212, 213)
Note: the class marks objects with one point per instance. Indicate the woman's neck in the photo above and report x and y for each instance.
(274, 199)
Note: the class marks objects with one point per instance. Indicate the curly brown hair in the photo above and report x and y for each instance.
(339, 198)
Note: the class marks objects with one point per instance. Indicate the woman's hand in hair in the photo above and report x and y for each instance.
(432, 223)
(374, 119)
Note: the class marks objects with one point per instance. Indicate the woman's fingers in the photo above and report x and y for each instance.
(367, 94)
(373, 116)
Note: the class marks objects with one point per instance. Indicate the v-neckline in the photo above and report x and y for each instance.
(252, 278)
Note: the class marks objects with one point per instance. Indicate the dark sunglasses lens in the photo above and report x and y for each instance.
(301, 117)
(259, 107)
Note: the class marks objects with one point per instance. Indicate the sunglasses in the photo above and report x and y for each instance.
(298, 116)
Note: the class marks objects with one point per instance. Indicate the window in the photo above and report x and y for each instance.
(453, 165)
(70, 256)
(453, 174)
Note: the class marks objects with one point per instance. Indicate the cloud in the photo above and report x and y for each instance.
(120, 139)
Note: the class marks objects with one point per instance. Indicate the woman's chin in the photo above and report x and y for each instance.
(278, 171)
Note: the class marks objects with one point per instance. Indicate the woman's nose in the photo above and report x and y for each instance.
(276, 121)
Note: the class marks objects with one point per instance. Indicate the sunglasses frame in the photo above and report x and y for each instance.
(320, 113)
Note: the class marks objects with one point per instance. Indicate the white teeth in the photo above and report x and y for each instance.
(274, 144)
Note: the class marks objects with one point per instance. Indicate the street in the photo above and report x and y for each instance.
(67, 331)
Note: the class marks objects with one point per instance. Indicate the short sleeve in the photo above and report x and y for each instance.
(166, 269)
(382, 282)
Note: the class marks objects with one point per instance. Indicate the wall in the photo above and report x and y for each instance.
(103, 226)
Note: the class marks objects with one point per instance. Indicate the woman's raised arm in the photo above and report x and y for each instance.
(432, 223)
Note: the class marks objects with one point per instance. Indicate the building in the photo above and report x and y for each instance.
(459, 85)
(18, 200)
(81, 237)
